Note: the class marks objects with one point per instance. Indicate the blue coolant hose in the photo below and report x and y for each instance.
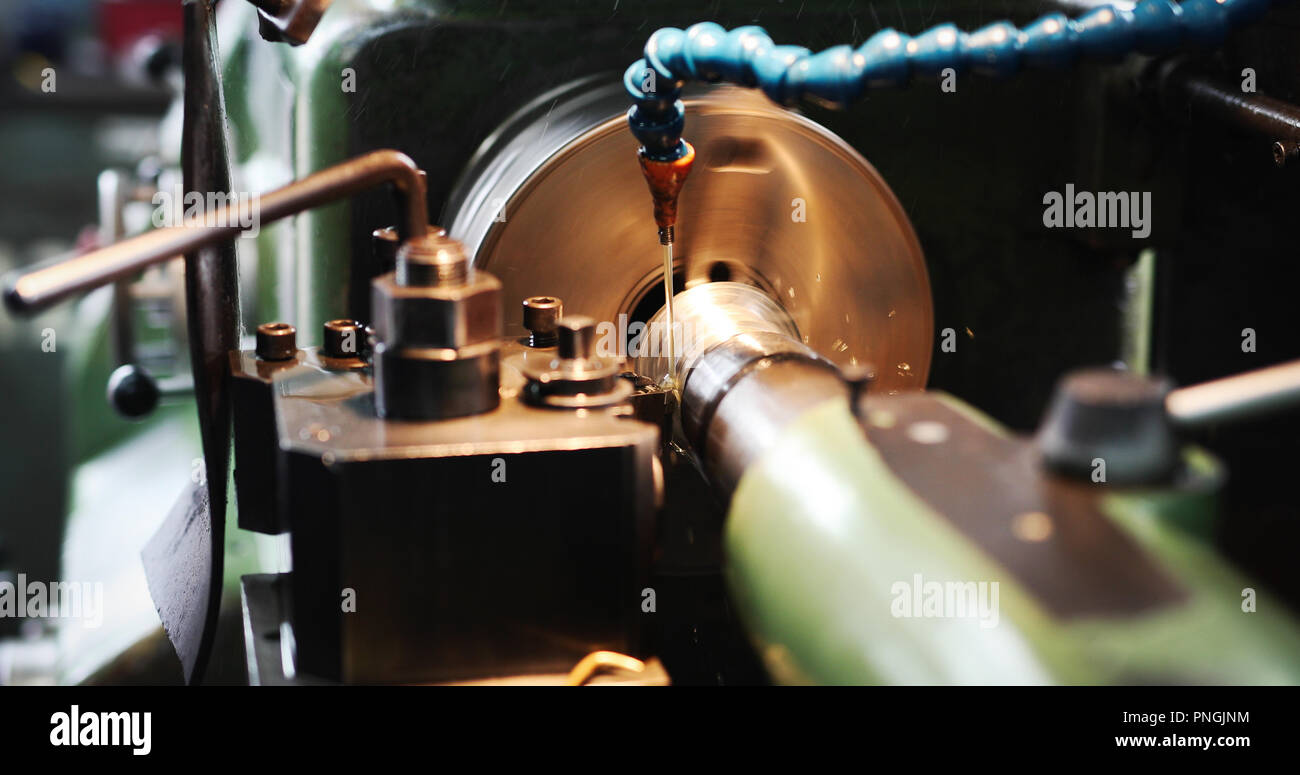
(746, 56)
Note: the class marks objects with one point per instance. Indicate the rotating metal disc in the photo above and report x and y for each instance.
(554, 203)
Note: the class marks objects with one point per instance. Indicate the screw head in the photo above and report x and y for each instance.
(541, 317)
(344, 339)
(276, 341)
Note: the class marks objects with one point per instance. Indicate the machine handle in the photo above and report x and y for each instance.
(35, 290)
(1247, 396)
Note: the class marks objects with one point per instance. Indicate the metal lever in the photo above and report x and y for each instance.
(37, 289)
(1242, 397)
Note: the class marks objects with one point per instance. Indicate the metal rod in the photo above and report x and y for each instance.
(112, 186)
(40, 288)
(1270, 119)
(1255, 112)
(1243, 397)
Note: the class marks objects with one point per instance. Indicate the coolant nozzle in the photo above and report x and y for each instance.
(665, 179)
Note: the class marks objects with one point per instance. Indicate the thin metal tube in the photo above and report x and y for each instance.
(1243, 397)
(1266, 117)
(40, 288)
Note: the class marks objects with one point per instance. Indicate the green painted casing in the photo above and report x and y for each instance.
(820, 531)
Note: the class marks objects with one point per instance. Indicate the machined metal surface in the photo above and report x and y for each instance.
(554, 203)
(721, 332)
(704, 317)
(320, 412)
(743, 374)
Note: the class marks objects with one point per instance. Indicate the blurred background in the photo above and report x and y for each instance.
(114, 66)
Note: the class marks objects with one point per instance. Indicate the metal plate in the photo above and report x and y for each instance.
(555, 204)
(1048, 531)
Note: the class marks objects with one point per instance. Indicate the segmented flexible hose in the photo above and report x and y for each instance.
(746, 56)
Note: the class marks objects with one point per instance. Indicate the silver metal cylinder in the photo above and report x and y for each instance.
(704, 317)
(743, 372)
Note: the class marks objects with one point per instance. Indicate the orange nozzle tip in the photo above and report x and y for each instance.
(665, 179)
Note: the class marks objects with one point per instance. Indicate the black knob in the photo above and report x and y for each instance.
(1111, 416)
(132, 392)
